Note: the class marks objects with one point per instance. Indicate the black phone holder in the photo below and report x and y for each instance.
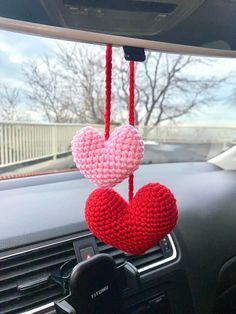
(97, 285)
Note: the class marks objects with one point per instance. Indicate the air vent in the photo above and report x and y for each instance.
(156, 256)
(25, 279)
(118, 255)
(151, 256)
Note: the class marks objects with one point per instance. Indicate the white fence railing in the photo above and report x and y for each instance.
(190, 134)
(22, 142)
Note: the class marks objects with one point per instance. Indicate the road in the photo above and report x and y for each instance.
(154, 153)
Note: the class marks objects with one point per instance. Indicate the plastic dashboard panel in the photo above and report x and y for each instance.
(40, 209)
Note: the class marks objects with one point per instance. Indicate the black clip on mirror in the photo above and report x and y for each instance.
(96, 287)
(134, 53)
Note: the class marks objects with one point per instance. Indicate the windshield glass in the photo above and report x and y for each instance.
(185, 105)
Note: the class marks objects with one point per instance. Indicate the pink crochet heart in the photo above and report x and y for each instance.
(107, 163)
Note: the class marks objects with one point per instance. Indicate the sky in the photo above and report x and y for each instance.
(16, 49)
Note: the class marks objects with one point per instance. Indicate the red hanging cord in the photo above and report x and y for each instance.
(131, 93)
(131, 120)
(107, 112)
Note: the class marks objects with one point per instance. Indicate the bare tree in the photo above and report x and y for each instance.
(167, 89)
(9, 103)
(84, 69)
(48, 94)
(68, 87)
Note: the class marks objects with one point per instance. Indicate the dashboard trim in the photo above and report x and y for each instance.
(47, 306)
(143, 269)
(45, 246)
(164, 261)
(146, 268)
(101, 38)
(50, 306)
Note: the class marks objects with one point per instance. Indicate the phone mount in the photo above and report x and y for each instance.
(96, 287)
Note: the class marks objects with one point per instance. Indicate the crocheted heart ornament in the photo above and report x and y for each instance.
(134, 227)
(107, 163)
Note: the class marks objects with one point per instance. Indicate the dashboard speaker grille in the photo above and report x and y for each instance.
(25, 279)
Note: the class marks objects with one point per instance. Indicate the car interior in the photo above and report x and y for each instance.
(50, 261)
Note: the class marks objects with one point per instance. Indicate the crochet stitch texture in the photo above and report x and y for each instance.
(107, 163)
(134, 227)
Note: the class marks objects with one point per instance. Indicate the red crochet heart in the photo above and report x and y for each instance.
(134, 227)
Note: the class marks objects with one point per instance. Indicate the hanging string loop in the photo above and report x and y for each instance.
(107, 112)
(131, 120)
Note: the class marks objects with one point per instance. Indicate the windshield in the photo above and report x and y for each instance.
(185, 105)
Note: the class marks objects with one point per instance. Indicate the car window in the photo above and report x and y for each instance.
(50, 88)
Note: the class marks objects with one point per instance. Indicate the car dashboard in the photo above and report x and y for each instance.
(43, 235)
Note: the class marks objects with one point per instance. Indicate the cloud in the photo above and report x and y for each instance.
(213, 114)
(16, 49)
(4, 47)
(16, 59)
(217, 67)
(14, 82)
